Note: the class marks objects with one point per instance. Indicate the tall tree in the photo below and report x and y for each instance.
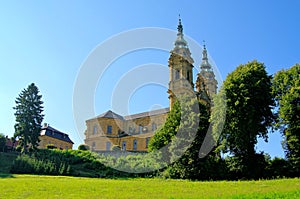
(2, 142)
(29, 117)
(286, 87)
(185, 147)
(248, 112)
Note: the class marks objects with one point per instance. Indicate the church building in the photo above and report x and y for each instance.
(110, 131)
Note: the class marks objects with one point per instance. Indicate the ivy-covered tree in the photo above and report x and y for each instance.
(164, 135)
(188, 162)
(29, 117)
(286, 87)
(249, 104)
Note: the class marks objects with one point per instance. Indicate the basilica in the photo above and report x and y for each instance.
(111, 131)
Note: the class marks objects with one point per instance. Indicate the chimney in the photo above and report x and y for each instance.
(46, 125)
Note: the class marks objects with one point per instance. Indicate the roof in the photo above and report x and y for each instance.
(11, 143)
(110, 114)
(54, 133)
(113, 115)
(147, 114)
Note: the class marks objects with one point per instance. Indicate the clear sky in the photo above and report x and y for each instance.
(46, 42)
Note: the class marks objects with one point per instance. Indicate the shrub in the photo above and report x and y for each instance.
(83, 147)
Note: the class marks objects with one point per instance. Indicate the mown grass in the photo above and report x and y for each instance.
(30, 186)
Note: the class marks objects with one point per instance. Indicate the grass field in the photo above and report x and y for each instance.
(29, 186)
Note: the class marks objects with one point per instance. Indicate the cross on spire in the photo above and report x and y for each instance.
(179, 28)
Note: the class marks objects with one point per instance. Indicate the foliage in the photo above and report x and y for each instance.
(278, 168)
(28, 117)
(164, 135)
(70, 187)
(2, 142)
(189, 161)
(286, 87)
(83, 147)
(249, 104)
(6, 160)
(85, 163)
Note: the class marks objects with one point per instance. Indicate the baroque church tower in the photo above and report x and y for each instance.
(206, 80)
(181, 68)
(181, 72)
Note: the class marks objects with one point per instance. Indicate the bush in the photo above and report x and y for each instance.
(83, 147)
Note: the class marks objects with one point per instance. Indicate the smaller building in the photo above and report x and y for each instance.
(11, 144)
(50, 135)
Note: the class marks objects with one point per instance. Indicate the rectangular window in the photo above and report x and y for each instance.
(108, 145)
(109, 130)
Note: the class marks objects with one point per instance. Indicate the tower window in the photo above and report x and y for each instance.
(188, 75)
(154, 126)
(95, 130)
(140, 129)
(177, 74)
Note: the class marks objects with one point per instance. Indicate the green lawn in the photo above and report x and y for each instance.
(29, 186)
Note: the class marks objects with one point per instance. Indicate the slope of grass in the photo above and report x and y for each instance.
(28, 186)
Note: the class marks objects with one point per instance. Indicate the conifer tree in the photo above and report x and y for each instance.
(29, 117)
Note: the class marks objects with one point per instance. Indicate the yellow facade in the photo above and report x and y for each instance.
(129, 133)
(60, 144)
(50, 135)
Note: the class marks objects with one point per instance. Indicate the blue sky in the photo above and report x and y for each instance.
(46, 42)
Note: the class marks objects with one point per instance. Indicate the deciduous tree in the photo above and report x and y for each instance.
(286, 87)
(249, 104)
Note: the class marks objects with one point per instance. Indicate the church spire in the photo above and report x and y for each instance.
(206, 78)
(205, 65)
(179, 28)
(180, 42)
(204, 53)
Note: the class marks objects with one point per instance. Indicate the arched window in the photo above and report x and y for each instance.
(177, 75)
(140, 129)
(124, 146)
(135, 145)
